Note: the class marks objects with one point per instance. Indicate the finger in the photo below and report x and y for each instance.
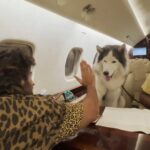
(83, 63)
(89, 68)
(83, 68)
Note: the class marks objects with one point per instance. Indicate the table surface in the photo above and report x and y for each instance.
(103, 138)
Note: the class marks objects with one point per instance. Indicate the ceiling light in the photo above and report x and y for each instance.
(88, 8)
(87, 12)
(86, 16)
(137, 12)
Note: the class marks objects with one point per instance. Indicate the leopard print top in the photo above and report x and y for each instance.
(36, 122)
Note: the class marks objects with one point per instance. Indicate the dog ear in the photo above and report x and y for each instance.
(99, 49)
(122, 48)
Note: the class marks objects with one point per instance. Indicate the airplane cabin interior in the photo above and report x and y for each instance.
(59, 34)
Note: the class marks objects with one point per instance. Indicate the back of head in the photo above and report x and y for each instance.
(15, 65)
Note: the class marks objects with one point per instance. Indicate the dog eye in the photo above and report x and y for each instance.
(113, 61)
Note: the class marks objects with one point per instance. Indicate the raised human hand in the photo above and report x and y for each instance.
(88, 78)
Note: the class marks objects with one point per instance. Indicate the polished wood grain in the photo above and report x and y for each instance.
(102, 138)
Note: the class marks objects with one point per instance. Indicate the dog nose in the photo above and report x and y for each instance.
(106, 73)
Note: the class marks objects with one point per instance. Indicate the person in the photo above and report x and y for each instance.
(145, 93)
(29, 121)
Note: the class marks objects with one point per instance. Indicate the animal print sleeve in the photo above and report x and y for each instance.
(72, 121)
(29, 122)
(36, 122)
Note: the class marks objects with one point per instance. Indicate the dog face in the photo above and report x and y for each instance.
(109, 60)
(110, 66)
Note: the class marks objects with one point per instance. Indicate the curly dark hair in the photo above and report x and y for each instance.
(15, 65)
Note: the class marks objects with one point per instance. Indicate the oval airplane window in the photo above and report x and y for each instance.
(72, 62)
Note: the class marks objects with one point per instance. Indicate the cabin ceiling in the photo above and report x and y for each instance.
(115, 18)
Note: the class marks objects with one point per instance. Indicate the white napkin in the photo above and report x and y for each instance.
(128, 119)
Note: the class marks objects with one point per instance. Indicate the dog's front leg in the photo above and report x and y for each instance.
(101, 91)
(113, 98)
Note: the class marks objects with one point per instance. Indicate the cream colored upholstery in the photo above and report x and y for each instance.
(138, 70)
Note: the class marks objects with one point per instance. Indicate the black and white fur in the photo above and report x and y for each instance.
(111, 68)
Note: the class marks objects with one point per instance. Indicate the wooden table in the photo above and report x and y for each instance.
(102, 138)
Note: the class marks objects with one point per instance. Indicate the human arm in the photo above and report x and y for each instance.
(29, 121)
(80, 114)
(90, 103)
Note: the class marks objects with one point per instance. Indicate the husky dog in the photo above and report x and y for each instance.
(111, 67)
